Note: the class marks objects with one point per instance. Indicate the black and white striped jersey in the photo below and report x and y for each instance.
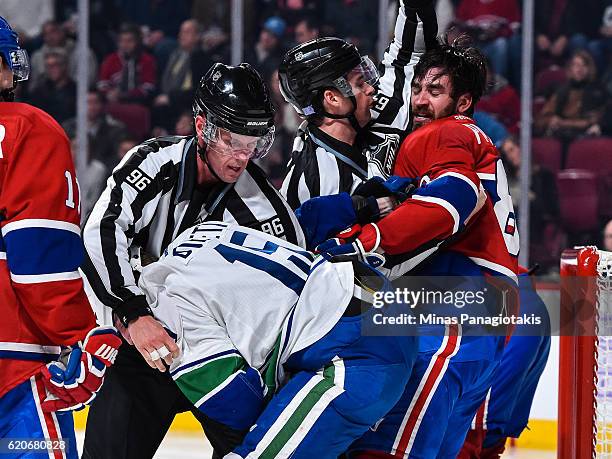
(151, 197)
(321, 165)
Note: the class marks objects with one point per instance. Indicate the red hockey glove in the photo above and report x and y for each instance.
(77, 376)
(354, 242)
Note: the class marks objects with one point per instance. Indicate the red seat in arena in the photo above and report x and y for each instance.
(578, 200)
(547, 153)
(136, 117)
(594, 154)
(548, 78)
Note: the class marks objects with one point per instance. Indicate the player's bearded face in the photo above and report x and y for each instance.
(431, 98)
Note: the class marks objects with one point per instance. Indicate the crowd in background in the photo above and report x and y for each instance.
(146, 57)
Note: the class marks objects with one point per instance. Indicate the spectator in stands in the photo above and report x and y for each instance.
(266, 55)
(563, 27)
(128, 75)
(545, 236)
(213, 14)
(575, 106)
(360, 30)
(216, 44)
(92, 179)
(184, 124)
(491, 126)
(595, 33)
(126, 144)
(185, 67)
(604, 125)
(56, 93)
(292, 11)
(54, 39)
(494, 25)
(607, 237)
(501, 101)
(104, 21)
(160, 21)
(104, 131)
(306, 29)
(27, 19)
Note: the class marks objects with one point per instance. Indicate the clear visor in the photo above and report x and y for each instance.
(240, 146)
(366, 73)
(20, 64)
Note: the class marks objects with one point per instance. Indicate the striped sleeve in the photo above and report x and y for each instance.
(302, 181)
(40, 237)
(391, 111)
(127, 205)
(315, 173)
(397, 69)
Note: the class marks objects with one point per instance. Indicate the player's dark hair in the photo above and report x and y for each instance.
(464, 64)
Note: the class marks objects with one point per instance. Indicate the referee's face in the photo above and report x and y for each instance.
(364, 97)
(229, 167)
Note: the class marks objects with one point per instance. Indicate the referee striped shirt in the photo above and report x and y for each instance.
(321, 165)
(150, 198)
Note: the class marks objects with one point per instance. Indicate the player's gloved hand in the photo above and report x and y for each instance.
(396, 186)
(77, 376)
(354, 242)
(375, 198)
(426, 11)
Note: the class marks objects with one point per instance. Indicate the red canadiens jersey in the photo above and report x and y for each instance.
(453, 161)
(42, 302)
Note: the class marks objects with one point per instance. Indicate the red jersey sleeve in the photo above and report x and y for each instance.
(39, 224)
(442, 157)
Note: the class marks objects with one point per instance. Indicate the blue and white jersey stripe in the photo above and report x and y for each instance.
(453, 191)
(39, 250)
(26, 351)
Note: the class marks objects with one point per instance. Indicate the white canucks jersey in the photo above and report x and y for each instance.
(224, 289)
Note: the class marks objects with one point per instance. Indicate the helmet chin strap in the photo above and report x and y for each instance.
(350, 116)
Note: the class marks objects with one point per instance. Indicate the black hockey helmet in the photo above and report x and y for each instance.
(322, 63)
(235, 99)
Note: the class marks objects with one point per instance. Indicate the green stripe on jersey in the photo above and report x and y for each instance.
(301, 412)
(270, 369)
(201, 381)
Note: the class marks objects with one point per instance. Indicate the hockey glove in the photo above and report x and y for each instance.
(356, 242)
(399, 187)
(426, 11)
(375, 198)
(77, 376)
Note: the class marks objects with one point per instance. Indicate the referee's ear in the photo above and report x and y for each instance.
(200, 122)
(331, 99)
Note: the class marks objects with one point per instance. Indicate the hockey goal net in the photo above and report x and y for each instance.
(585, 355)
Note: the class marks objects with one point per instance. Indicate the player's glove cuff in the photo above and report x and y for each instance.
(132, 309)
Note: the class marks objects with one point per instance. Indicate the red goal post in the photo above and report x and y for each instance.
(585, 355)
